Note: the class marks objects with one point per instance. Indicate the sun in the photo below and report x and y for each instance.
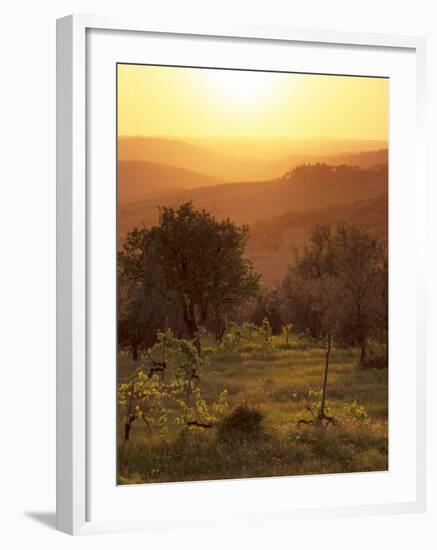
(240, 86)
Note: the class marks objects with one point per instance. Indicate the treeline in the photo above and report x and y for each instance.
(190, 274)
(320, 171)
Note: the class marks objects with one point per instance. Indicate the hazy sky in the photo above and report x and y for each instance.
(176, 101)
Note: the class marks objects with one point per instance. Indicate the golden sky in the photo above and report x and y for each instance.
(177, 101)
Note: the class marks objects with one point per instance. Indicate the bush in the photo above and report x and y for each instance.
(242, 424)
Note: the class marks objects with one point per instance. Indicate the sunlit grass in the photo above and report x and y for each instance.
(276, 382)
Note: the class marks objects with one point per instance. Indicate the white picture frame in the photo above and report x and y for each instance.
(74, 464)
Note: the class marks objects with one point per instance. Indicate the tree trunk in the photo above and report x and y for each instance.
(127, 428)
(135, 352)
(192, 328)
(203, 315)
(196, 342)
(363, 353)
(222, 332)
(325, 378)
(219, 326)
(189, 319)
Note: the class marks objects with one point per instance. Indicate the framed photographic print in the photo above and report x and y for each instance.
(239, 327)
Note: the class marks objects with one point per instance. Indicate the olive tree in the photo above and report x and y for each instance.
(337, 290)
(203, 264)
(145, 304)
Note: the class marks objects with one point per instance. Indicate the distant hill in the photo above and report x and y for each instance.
(248, 159)
(191, 157)
(363, 159)
(315, 186)
(272, 149)
(273, 241)
(140, 180)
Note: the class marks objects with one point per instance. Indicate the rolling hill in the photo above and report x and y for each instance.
(140, 179)
(272, 242)
(191, 157)
(363, 159)
(271, 149)
(315, 186)
(245, 160)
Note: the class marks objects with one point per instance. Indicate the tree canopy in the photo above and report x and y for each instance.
(192, 261)
(338, 283)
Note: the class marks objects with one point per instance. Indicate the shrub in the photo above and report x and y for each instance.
(237, 336)
(353, 412)
(242, 424)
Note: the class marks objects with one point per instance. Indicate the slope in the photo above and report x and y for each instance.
(140, 179)
(315, 186)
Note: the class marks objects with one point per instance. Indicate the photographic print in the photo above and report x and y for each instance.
(252, 274)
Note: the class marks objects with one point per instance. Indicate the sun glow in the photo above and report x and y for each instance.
(242, 87)
(196, 102)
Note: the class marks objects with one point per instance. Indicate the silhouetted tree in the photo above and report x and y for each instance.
(355, 264)
(203, 263)
(361, 269)
(145, 304)
(298, 302)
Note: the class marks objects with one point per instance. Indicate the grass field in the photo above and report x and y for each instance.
(275, 382)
